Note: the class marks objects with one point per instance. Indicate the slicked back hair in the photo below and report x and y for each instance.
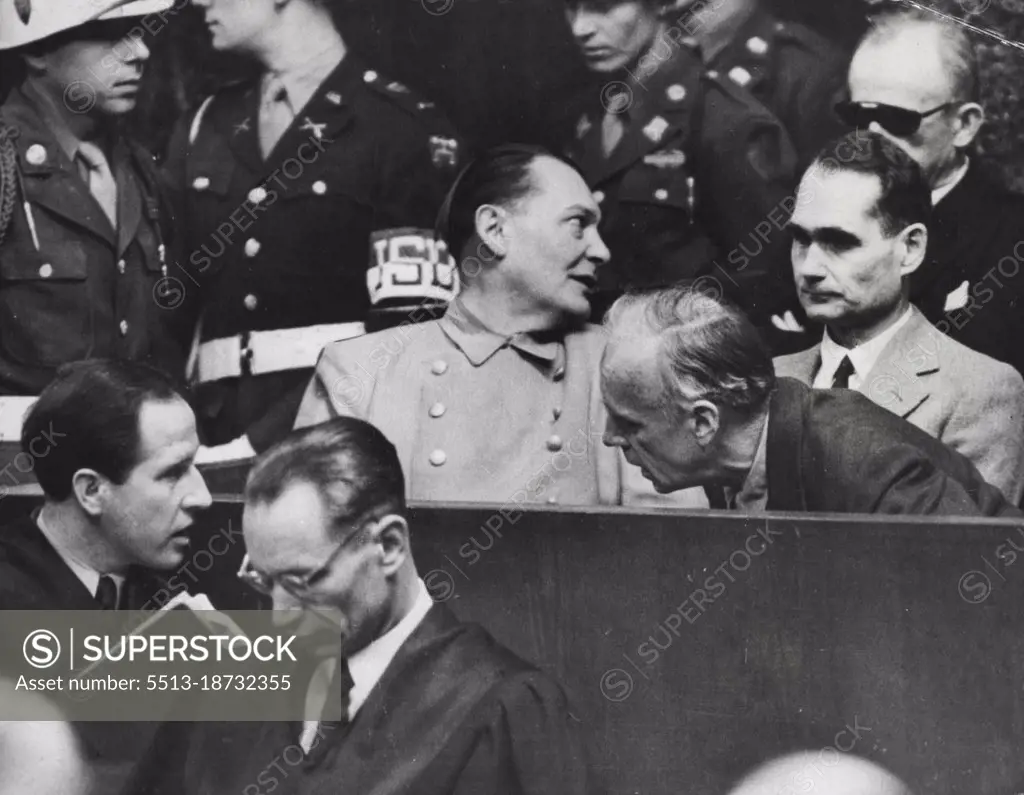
(957, 49)
(905, 197)
(350, 463)
(91, 410)
(707, 348)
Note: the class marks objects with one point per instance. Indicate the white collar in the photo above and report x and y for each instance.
(89, 576)
(863, 357)
(942, 191)
(368, 664)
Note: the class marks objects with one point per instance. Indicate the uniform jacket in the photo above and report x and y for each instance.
(364, 154)
(474, 419)
(89, 291)
(699, 186)
(972, 282)
(455, 713)
(33, 576)
(833, 450)
(967, 400)
(793, 71)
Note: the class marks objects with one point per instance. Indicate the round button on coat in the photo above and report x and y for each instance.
(439, 367)
(124, 327)
(661, 194)
(201, 183)
(554, 443)
(251, 302)
(46, 271)
(437, 410)
(319, 187)
(438, 458)
(121, 266)
(256, 195)
(252, 247)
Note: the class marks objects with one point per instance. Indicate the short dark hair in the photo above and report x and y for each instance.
(500, 175)
(707, 348)
(905, 198)
(89, 417)
(350, 463)
(958, 53)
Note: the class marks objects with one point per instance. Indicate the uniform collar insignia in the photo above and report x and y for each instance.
(655, 128)
(444, 151)
(583, 126)
(313, 127)
(740, 76)
(757, 45)
(243, 126)
(334, 97)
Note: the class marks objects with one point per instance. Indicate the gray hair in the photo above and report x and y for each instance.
(707, 348)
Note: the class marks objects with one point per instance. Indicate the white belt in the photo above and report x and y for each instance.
(259, 352)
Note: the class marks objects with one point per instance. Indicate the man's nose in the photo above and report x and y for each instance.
(597, 251)
(138, 50)
(581, 22)
(612, 437)
(198, 498)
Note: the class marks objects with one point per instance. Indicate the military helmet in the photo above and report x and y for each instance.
(26, 21)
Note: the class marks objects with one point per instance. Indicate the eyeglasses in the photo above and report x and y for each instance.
(901, 122)
(298, 585)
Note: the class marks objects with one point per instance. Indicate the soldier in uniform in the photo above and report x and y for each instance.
(693, 175)
(287, 185)
(82, 223)
(792, 70)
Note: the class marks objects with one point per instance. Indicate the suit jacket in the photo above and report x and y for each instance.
(833, 450)
(455, 713)
(33, 576)
(965, 399)
(472, 420)
(975, 266)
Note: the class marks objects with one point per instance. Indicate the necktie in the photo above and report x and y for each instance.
(276, 115)
(102, 184)
(341, 687)
(613, 127)
(841, 380)
(106, 593)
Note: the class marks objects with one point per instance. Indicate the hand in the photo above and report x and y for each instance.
(237, 450)
(787, 322)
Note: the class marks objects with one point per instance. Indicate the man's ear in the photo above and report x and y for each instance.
(491, 228)
(705, 420)
(391, 536)
(914, 241)
(89, 488)
(970, 118)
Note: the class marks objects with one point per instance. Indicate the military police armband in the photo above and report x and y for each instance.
(410, 269)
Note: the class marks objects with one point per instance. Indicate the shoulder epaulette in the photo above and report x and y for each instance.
(404, 97)
(795, 33)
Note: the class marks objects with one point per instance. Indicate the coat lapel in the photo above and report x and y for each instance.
(785, 456)
(242, 130)
(899, 381)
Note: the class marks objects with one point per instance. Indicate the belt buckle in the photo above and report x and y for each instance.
(245, 354)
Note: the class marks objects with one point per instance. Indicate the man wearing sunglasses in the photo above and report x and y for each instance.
(914, 79)
(431, 705)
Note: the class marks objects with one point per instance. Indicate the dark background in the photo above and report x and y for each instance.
(507, 69)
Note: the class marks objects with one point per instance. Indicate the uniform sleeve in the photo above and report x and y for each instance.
(987, 428)
(748, 169)
(532, 745)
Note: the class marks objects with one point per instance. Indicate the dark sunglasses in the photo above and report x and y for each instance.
(898, 121)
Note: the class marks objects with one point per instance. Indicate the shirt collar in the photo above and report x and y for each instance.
(479, 343)
(89, 577)
(52, 118)
(942, 192)
(864, 356)
(368, 664)
(302, 81)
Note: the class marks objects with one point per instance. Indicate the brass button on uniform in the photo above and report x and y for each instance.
(554, 443)
(121, 266)
(46, 271)
(599, 196)
(201, 183)
(124, 327)
(438, 457)
(319, 187)
(439, 367)
(251, 302)
(256, 195)
(661, 194)
(252, 247)
(437, 410)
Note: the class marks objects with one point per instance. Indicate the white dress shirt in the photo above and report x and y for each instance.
(90, 577)
(942, 191)
(368, 664)
(863, 357)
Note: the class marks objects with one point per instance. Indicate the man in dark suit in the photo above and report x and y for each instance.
(431, 705)
(914, 78)
(112, 445)
(693, 400)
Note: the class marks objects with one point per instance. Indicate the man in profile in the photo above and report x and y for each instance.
(430, 705)
(693, 400)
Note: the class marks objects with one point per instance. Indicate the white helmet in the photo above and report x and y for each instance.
(25, 21)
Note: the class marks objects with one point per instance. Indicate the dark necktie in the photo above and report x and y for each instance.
(106, 593)
(330, 732)
(841, 380)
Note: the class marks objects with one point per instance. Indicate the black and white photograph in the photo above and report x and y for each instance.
(511, 397)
